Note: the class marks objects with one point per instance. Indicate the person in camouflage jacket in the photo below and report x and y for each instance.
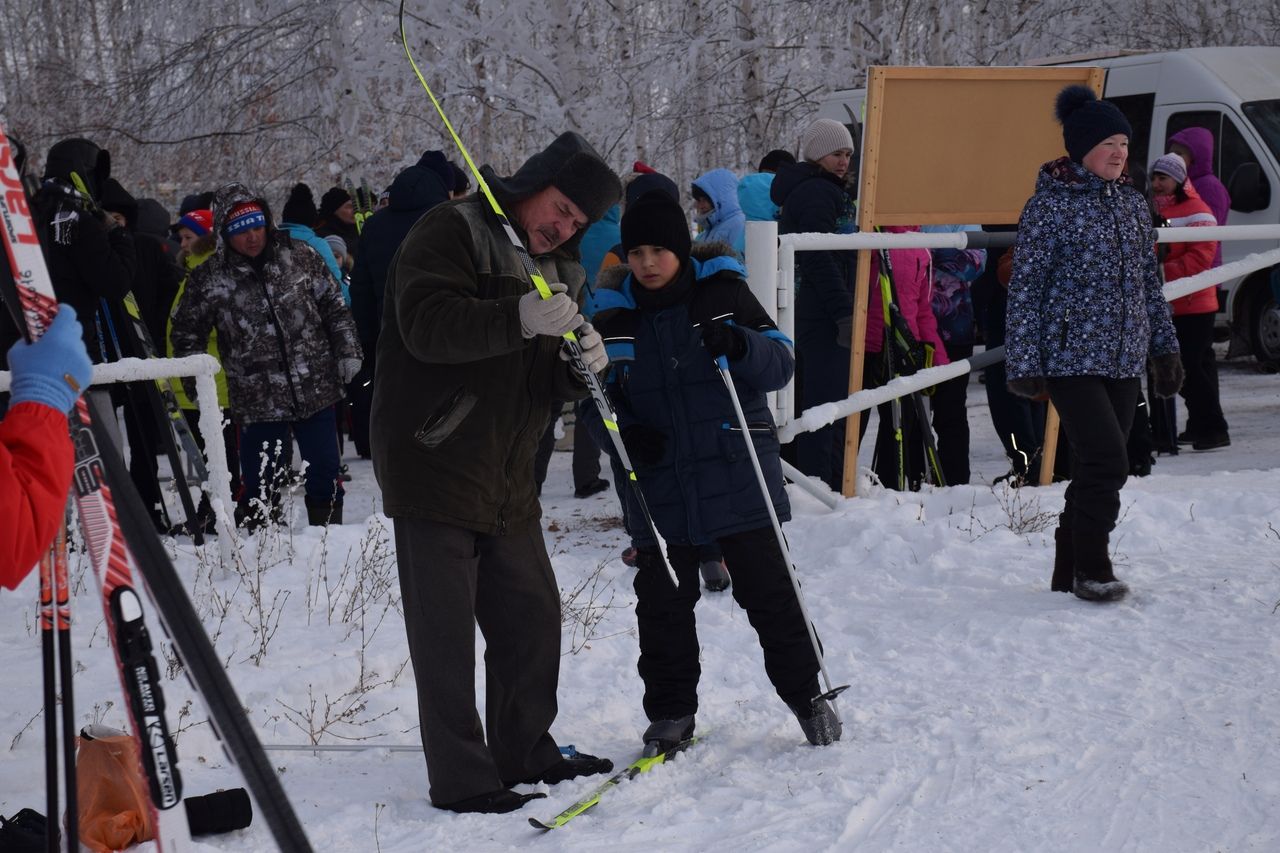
(1086, 310)
(288, 345)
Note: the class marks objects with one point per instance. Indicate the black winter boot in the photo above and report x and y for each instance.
(818, 721)
(323, 513)
(665, 735)
(569, 767)
(1094, 578)
(494, 802)
(1063, 559)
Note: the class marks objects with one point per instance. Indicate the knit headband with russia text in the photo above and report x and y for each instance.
(245, 216)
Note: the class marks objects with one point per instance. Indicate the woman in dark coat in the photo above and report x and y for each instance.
(1086, 310)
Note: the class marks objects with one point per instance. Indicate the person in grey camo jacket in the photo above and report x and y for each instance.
(1086, 311)
(288, 344)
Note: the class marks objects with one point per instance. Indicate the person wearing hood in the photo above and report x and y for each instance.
(90, 256)
(337, 215)
(1086, 311)
(288, 346)
(155, 284)
(753, 189)
(298, 218)
(1195, 146)
(1177, 202)
(720, 219)
(667, 322)
(470, 366)
(813, 199)
(415, 190)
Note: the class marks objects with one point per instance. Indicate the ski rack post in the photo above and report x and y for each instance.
(120, 539)
(831, 693)
(598, 395)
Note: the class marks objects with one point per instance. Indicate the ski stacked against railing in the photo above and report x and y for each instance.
(120, 540)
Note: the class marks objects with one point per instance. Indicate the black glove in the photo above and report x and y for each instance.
(1166, 374)
(721, 339)
(1031, 387)
(644, 443)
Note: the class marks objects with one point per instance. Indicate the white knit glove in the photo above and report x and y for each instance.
(348, 368)
(593, 353)
(553, 316)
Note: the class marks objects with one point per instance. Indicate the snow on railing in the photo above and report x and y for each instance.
(202, 368)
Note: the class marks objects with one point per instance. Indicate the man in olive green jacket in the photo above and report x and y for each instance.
(469, 367)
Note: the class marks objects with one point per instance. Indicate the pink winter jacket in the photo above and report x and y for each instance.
(915, 289)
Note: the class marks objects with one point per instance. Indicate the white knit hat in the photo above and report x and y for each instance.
(822, 137)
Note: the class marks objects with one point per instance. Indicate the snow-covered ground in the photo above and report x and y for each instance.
(984, 712)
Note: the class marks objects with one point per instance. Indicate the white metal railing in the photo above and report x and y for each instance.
(771, 274)
(202, 368)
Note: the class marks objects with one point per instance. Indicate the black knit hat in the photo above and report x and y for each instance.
(651, 182)
(333, 199)
(1086, 121)
(300, 208)
(655, 219)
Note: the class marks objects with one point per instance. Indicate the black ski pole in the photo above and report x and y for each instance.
(62, 601)
(48, 654)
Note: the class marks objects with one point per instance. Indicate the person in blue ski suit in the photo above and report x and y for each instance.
(664, 325)
(716, 195)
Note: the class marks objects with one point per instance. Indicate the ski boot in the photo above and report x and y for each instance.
(665, 735)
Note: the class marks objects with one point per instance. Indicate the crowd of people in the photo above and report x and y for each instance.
(414, 333)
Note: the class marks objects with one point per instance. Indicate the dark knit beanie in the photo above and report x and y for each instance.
(1086, 121)
(332, 200)
(651, 182)
(775, 158)
(461, 181)
(300, 208)
(589, 183)
(655, 219)
(435, 162)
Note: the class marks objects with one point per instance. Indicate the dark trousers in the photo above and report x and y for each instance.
(230, 445)
(144, 442)
(884, 460)
(1018, 422)
(586, 455)
(820, 453)
(1096, 415)
(1200, 369)
(452, 579)
(360, 393)
(668, 635)
(317, 438)
(949, 403)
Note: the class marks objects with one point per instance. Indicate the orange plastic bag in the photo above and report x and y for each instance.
(114, 811)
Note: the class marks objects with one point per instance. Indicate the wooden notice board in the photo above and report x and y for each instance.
(949, 146)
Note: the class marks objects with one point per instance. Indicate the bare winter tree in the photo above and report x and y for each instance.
(188, 96)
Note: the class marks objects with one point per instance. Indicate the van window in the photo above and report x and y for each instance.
(1230, 150)
(1137, 109)
(1265, 118)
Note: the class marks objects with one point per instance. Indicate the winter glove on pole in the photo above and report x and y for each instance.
(592, 345)
(1167, 370)
(1031, 387)
(553, 316)
(721, 339)
(644, 443)
(348, 368)
(53, 370)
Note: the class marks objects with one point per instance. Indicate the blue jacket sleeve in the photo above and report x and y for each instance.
(1032, 259)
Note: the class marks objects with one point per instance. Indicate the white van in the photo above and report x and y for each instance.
(1234, 92)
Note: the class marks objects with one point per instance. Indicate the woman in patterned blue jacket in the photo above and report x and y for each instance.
(664, 325)
(1085, 312)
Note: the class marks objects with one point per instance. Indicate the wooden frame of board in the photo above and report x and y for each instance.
(949, 146)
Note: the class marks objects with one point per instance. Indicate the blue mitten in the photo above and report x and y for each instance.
(53, 370)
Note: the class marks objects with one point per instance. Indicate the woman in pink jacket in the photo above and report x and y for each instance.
(914, 287)
(1178, 203)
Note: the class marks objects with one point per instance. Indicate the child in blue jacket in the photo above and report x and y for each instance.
(664, 324)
